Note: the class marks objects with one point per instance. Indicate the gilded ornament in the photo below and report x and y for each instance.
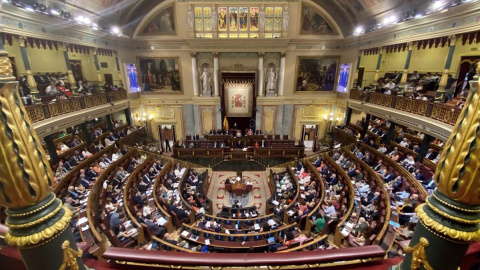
(419, 256)
(70, 257)
(458, 171)
(25, 174)
(440, 228)
(28, 240)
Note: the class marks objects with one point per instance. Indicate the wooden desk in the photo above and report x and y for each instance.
(237, 187)
(239, 155)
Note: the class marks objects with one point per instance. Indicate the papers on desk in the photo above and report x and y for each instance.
(185, 233)
(279, 190)
(85, 228)
(247, 215)
(254, 214)
(345, 231)
(227, 231)
(290, 212)
(256, 226)
(349, 225)
(277, 184)
(82, 221)
(207, 242)
(175, 185)
(275, 202)
(271, 222)
(194, 237)
(161, 221)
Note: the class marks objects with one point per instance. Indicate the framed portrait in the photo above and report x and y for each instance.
(316, 73)
(160, 75)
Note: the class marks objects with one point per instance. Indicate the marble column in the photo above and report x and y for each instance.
(38, 224)
(97, 66)
(260, 75)
(26, 63)
(440, 96)
(215, 75)
(194, 74)
(403, 80)
(379, 64)
(71, 79)
(281, 76)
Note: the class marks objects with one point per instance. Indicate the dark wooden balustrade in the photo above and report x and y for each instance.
(440, 112)
(39, 112)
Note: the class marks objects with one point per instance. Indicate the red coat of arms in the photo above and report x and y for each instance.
(238, 101)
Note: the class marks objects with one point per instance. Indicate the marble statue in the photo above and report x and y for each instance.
(271, 81)
(206, 82)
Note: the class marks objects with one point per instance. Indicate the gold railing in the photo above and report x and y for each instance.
(440, 112)
(381, 99)
(39, 112)
(445, 114)
(412, 105)
(355, 94)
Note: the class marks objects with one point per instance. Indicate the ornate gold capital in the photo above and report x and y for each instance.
(21, 41)
(458, 170)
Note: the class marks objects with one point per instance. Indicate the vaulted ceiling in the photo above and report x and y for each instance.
(348, 14)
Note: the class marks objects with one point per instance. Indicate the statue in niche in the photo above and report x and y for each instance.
(271, 76)
(190, 17)
(206, 79)
(285, 19)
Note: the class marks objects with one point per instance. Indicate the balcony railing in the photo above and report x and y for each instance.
(39, 112)
(440, 112)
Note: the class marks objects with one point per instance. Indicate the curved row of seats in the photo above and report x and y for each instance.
(384, 207)
(74, 172)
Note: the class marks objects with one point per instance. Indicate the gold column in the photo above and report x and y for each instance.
(37, 221)
(30, 80)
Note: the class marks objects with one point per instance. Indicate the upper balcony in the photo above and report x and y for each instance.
(434, 118)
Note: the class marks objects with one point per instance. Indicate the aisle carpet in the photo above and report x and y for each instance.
(258, 195)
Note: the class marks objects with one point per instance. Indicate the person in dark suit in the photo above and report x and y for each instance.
(167, 145)
(181, 213)
(67, 166)
(137, 199)
(155, 228)
(239, 145)
(430, 154)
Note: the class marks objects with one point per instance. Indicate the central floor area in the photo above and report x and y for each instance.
(257, 197)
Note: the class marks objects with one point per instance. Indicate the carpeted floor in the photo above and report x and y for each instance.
(258, 195)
